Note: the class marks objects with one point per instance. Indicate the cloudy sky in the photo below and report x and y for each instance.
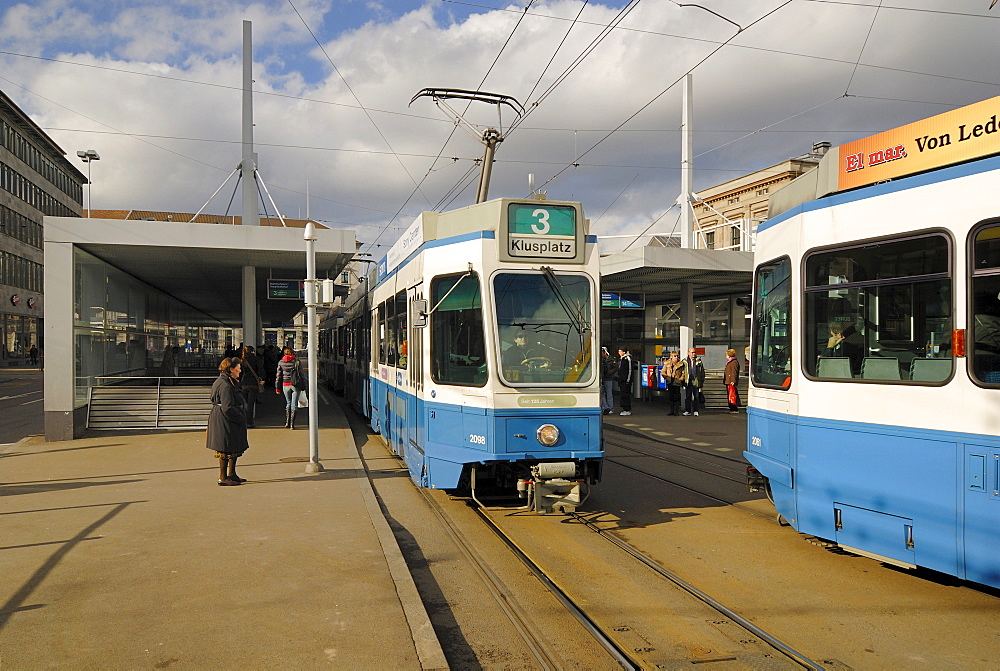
(155, 88)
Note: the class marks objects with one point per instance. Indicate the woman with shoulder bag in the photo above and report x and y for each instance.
(674, 375)
(731, 377)
(286, 379)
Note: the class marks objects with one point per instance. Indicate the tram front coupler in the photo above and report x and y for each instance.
(553, 487)
(755, 480)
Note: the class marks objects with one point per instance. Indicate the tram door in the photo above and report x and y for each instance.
(982, 514)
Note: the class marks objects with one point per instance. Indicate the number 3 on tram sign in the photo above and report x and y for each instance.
(538, 231)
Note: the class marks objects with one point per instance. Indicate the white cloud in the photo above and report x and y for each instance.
(801, 57)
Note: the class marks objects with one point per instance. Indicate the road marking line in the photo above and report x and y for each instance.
(723, 449)
(702, 444)
(662, 433)
(7, 398)
(683, 439)
(37, 400)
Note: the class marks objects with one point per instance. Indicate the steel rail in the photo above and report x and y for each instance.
(516, 615)
(774, 642)
(669, 460)
(603, 639)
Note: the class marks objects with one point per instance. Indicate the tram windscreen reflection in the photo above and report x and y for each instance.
(544, 328)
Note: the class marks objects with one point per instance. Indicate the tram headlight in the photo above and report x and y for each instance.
(547, 434)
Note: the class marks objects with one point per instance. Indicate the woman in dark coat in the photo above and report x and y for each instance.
(731, 377)
(227, 422)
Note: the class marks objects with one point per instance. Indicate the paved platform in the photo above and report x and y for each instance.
(714, 430)
(119, 550)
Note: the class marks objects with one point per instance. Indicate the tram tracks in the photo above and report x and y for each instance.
(613, 639)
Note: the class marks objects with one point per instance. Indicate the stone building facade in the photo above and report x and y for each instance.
(727, 215)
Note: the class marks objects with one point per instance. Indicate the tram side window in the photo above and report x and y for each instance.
(772, 329)
(401, 328)
(381, 333)
(458, 349)
(880, 310)
(984, 343)
(390, 332)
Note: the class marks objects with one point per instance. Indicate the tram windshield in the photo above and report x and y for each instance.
(544, 328)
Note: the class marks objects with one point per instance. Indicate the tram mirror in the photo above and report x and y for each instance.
(418, 313)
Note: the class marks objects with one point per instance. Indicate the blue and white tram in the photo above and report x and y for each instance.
(874, 408)
(483, 324)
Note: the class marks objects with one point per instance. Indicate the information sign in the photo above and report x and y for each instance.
(286, 290)
(622, 300)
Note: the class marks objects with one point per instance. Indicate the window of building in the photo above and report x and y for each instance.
(735, 237)
(710, 240)
(880, 310)
(772, 326)
(458, 349)
(763, 192)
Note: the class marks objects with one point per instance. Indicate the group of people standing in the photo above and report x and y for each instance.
(235, 397)
(684, 381)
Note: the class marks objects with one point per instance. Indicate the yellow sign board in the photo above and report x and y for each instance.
(953, 137)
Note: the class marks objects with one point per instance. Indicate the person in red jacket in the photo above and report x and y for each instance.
(285, 379)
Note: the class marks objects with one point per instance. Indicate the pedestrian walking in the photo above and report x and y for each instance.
(674, 378)
(288, 381)
(694, 374)
(227, 422)
(33, 353)
(731, 377)
(624, 377)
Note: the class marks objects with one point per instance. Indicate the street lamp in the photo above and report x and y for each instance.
(87, 157)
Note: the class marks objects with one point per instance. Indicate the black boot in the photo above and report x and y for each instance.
(232, 471)
(291, 419)
(288, 417)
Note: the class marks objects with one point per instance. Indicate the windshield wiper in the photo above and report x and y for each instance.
(557, 288)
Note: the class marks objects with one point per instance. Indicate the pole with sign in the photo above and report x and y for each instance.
(311, 328)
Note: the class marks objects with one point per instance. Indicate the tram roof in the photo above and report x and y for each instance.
(201, 264)
(659, 272)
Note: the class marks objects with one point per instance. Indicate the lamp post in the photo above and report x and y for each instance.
(89, 157)
(310, 237)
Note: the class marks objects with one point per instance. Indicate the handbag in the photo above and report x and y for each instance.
(303, 400)
(734, 399)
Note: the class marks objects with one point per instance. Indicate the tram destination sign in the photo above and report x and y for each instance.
(541, 231)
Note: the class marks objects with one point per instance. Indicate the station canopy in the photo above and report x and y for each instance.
(201, 264)
(659, 272)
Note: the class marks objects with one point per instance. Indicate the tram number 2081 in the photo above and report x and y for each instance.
(755, 441)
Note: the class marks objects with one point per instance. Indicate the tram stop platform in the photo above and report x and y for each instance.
(713, 430)
(119, 550)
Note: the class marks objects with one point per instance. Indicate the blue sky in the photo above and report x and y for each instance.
(154, 87)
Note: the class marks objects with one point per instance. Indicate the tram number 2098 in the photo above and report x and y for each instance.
(477, 440)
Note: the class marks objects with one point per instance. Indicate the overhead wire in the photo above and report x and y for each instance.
(670, 86)
(451, 134)
(861, 53)
(354, 95)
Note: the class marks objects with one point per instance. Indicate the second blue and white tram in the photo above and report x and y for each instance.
(874, 408)
(481, 326)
